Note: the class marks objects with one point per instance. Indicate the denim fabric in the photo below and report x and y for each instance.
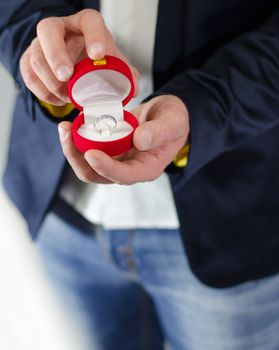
(134, 290)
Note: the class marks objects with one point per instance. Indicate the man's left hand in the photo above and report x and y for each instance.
(163, 131)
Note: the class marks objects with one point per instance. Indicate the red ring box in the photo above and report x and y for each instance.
(102, 87)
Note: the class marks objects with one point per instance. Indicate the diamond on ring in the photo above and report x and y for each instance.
(104, 124)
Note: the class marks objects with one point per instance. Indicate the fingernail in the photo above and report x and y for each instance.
(63, 133)
(64, 73)
(145, 140)
(96, 50)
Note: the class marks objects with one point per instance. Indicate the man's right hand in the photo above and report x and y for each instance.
(61, 42)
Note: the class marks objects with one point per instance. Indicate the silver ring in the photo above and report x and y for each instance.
(105, 123)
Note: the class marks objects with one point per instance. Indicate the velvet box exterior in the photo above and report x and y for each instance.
(102, 87)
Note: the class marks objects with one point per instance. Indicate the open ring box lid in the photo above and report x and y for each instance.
(102, 87)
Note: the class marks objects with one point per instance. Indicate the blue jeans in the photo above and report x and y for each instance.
(133, 289)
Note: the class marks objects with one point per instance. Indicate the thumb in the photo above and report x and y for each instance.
(155, 133)
(65, 130)
(168, 121)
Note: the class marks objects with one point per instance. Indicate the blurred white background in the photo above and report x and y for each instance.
(30, 316)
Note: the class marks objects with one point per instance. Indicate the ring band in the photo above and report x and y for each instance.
(105, 117)
(105, 123)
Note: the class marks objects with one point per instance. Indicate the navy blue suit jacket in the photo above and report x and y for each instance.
(222, 59)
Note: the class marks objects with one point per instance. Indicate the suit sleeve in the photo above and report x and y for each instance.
(18, 23)
(233, 96)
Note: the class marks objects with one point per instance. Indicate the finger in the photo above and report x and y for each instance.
(90, 23)
(167, 127)
(75, 158)
(98, 40)
(45, 74)
(125, 172)
(51, 33)
(34, 84)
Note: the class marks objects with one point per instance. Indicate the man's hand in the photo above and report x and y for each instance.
(163, 131)
(61, 42)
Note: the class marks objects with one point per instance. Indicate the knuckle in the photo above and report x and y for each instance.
(89, 15)
(36, 55)
(29, 77)
(36, 61)
(45, 23)
(84, 14)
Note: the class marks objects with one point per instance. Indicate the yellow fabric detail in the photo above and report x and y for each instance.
(181, 158)
(100, 62)
(57, 111)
